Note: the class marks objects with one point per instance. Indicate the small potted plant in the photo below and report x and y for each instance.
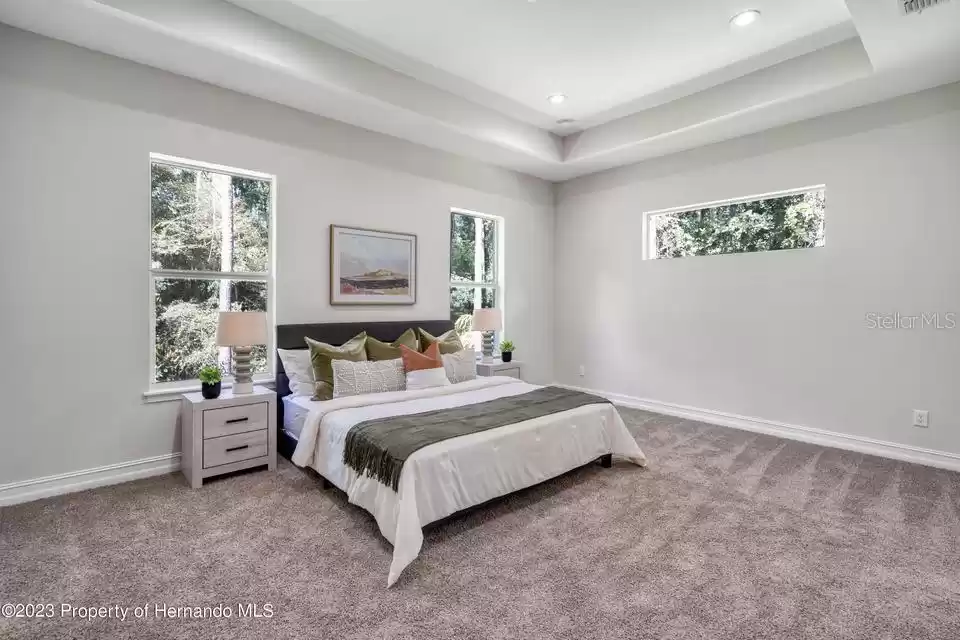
(210, 381)
(506, 350)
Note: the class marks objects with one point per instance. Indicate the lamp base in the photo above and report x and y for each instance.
(487, 347)
(242, 371)
(242, 388)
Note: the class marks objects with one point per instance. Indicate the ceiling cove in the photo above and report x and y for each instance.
(554, 88)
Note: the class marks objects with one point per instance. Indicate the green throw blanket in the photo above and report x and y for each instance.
(380, 447)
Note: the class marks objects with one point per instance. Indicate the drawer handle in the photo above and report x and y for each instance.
(236, 420)
(240, 448)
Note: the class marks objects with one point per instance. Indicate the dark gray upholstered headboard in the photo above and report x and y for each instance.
(290, 336)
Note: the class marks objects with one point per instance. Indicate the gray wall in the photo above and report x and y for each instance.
(780, 336)
(76, 130)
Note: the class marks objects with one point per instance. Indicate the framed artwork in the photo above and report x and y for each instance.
(372, 267)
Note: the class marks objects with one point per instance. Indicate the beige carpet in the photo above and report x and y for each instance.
(727, 535)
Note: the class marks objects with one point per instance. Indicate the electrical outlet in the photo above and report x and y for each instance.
(921, 418)
(583, 371)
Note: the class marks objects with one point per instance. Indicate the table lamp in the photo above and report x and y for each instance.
(487, 321)
(241, 330)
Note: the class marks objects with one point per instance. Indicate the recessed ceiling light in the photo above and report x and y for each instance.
(557, 98)
(745, 18)
(565, 121)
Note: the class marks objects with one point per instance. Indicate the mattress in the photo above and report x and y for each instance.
(295, 412)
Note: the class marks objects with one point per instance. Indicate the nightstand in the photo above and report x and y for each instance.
(228, 433)
(500, 368)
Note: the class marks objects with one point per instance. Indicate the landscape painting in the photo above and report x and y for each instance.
(372, 267)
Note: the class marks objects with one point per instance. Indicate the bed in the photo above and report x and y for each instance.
(446, 477)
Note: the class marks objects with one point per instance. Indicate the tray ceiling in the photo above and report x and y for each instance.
(642, 78)
(601, 54)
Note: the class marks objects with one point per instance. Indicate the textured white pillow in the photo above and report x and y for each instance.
(367, 376)
(299, 370)
(426, 378)
(460, 366)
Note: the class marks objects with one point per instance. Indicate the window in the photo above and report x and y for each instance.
(785, 220)
(209, 251)
(474, 270)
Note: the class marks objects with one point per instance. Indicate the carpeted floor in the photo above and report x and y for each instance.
(726, 535)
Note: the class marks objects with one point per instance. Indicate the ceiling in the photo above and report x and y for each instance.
(643, 78)
(600, 54)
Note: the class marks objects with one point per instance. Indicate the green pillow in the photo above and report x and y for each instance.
(378, 350)
(449, 342)
(322, 355)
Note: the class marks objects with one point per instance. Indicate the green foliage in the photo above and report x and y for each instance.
(506, 346)
(210, 374)
(185, 329)
(190, 234)
(473, 263)
(463, 300)
(188, 229)
(463, 245)
(788, 222)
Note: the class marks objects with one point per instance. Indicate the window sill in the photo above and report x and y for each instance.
(172, 394)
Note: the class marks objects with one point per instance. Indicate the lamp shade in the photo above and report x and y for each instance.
(487, 320)
(241, 328)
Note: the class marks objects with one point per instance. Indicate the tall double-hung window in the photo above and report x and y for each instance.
(474, 269)
(210, 239)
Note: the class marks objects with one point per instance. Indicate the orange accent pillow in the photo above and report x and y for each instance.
(429, 359)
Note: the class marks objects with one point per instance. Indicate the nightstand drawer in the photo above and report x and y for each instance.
(512, 369)
(227, 449)
(231, 420)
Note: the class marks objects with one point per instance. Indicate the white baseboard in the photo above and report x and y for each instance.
(26, 490)
(896, 451)
(37, 488)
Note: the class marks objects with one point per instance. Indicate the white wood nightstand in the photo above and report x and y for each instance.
(498, 367)
(228, 433)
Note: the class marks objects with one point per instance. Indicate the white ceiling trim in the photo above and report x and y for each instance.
(800, 47)
(602, 54)
(789, 80)
(228, 46)
(298, 18)
(291, 69)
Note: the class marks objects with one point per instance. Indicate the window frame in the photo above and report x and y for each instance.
(160, 391)
(496, 284)
(649, 245)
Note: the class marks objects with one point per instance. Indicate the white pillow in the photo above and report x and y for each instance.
(299, 370)
(460, 366)
(426, 378)
(367, 376)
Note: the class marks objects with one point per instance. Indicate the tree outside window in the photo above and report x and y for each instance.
(210, 252)
(473, 271)
(789, 221)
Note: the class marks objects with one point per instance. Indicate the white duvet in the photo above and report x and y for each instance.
(462, 472)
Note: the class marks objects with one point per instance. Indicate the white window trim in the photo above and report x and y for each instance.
(167, 391)
(497, 285)
(171, 391)
(649, 245)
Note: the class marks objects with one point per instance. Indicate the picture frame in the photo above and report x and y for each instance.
(372, 267)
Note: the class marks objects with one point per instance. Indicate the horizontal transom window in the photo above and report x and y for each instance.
(785, 220)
